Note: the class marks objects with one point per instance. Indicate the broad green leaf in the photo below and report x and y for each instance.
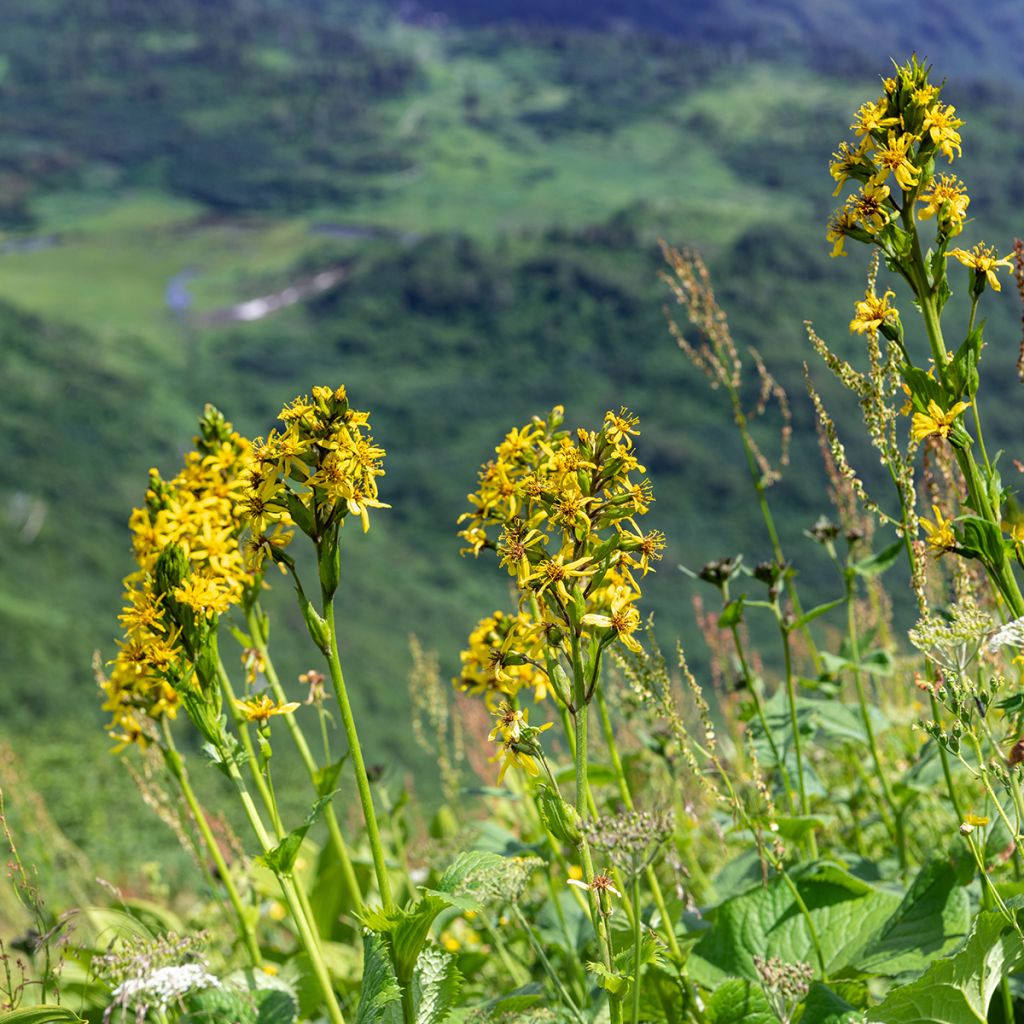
(739, 1001)
(958, 989)
(154, 916)
(823, 1006)
(107, 925)
(982, 539)
(880, 561)
(933, 919)
(327, 896)
(436, 983)
(41, 1015)
(380, 990)
(846, 911)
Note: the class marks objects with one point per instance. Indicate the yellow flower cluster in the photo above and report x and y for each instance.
(559, 508)
(196, 515)
(322, 466)
(899, 134)
(504, 655)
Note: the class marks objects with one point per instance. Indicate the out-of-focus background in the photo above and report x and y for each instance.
(453, 207)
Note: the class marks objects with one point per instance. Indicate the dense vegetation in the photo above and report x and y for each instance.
(522, 176)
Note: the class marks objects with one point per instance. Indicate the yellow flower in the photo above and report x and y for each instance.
(838, 228)
(846, 161)
(872, 312)
(555, 571)
(893, 156)
(940, 533)
(204, 595)
(935, 421)
(975, 820)
(947, 198)
(941, 125)
(871, 206)
(261, 709)
(983, 259)
(871, 118)
(624, 619)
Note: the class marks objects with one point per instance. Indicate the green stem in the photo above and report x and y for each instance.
(626, 795)
(812, 843)
(176, 766)
(348, 875)
(806, 914)
(356, 752)
(896, 825)
(769, 520)
(751, 686)
(546, 964)
(289, 890)
(251, 757)
(636, 950)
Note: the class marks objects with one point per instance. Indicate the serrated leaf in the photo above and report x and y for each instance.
(380, 990)
(739, 1001)
(958, 989)
(436, 984)
(610, 981)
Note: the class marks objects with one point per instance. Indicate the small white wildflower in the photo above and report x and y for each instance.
(1010, 635)
(163, 986)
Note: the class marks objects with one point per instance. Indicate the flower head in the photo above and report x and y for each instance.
(873, 311)
(983, 260)
(940, 533)
(935, 421)
(946, 198)
(261, 709)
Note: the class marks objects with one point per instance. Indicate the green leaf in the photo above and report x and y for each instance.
(732, 613)
(106, 925)
(815, 612)
(436, 983)
(932, 920)
(877, 563)
(41, 1015)
(380, 990)
(739, 1001)
(407, 928)
(823, 1006)
(982, 539)
(281, 859)
(847, 913)
(610, 981)
(326, 777)
(958, 989)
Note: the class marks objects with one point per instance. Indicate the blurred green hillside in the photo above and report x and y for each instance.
(491, 194)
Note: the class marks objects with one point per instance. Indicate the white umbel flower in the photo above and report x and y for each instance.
(163, 986)
(1010, 635)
